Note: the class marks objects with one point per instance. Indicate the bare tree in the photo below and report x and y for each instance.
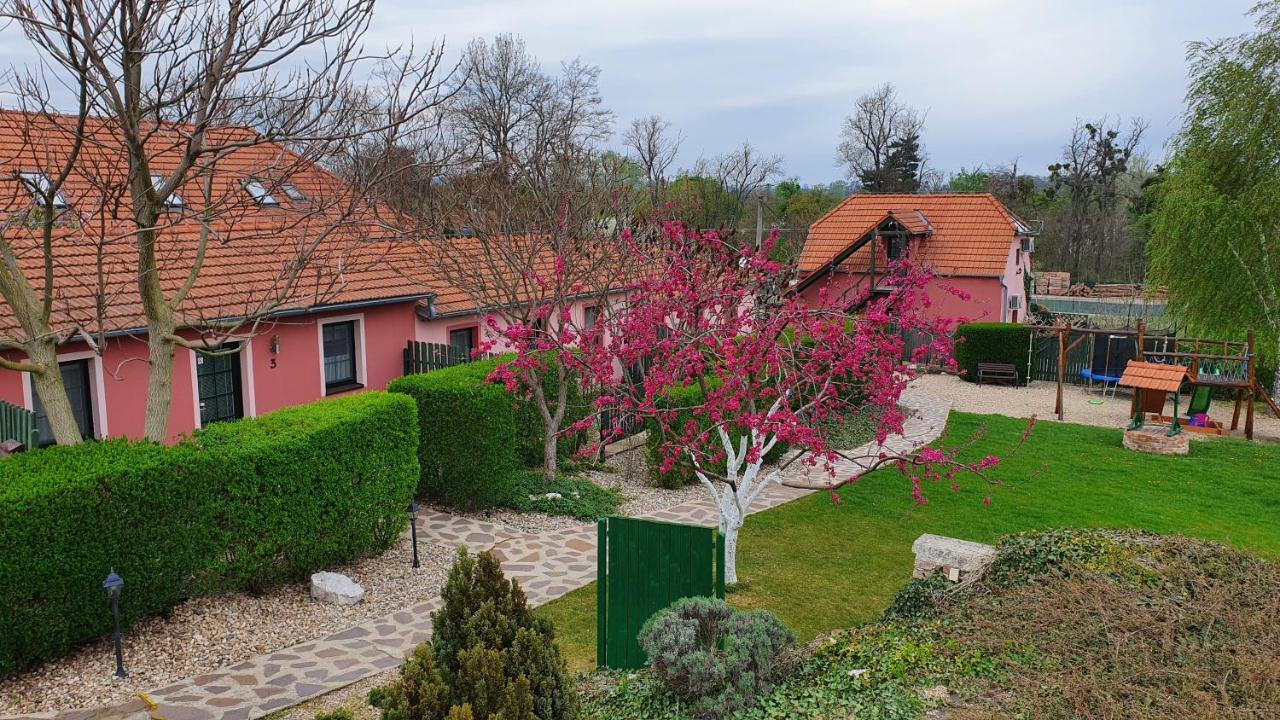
(879, 125)
(175, 89)
(714, 194)
(654, 147)
(1091, 229)
(524, 227)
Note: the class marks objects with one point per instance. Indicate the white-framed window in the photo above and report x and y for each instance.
(259, 193)
(342, 359)
(222, 385)
(292, 192)
(83, 379)
(38, 185)
(174, 202)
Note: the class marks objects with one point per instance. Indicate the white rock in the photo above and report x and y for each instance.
(953, 557)
(335, 588)
(553, 496)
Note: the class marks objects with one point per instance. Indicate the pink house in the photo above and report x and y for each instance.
(971, 241)
(339, 325)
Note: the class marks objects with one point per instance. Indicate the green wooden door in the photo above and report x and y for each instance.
(642, 567)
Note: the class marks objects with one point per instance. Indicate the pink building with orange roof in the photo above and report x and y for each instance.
(971, 241)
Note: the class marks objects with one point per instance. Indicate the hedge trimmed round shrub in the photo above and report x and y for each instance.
(241, 505)
(712, 656)
(467, 429)
(475, 436)
(992, 343)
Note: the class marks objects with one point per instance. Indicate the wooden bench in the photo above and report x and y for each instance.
(997, 373)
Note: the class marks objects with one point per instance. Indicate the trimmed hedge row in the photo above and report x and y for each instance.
(474, 436)
(241, 505)
(992, 343)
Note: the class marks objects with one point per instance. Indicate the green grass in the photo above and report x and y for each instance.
(821, 565)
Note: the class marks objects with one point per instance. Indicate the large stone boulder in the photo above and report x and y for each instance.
(952, 557)
(335, 588)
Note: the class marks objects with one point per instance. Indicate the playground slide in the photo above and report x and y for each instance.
(1271, 403)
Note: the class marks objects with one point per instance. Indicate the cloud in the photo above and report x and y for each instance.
(1000, 79)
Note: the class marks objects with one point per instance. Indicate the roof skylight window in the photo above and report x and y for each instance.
(259, 193)
(292, 192)
(175, 200)
(38, 184)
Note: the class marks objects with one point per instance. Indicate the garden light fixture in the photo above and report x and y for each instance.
(112, 585)
(413, 529)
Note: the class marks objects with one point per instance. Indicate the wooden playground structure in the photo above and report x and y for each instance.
(1225, 365)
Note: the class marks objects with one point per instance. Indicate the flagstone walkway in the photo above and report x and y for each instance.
(547, 565)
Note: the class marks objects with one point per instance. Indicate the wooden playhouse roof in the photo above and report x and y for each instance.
(1153, 376)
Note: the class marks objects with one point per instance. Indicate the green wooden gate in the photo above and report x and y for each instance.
(18, 423)
(642, 566)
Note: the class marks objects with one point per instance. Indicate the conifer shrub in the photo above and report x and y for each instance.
(713, 657)
(489, 656)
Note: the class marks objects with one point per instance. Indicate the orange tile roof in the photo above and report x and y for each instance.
(1153, 376)
(251, 249)
(500, 272)
(963, 234)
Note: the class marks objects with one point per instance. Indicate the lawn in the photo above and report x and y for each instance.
(821, 565)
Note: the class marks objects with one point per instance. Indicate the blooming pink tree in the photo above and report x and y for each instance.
(771, 369)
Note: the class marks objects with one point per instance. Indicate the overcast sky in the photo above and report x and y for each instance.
(1000, 79)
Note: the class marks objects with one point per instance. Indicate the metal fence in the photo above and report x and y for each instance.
(18, 423)
(642, 566)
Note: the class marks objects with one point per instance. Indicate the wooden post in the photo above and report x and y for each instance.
(1062, 367)
(1134, 407)
(1235, 416)
(1248, 411)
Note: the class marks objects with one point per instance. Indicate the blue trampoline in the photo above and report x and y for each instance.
(1108, 362)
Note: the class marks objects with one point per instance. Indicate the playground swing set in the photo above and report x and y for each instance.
(1207, 365)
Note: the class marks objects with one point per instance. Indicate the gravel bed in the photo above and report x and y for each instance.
(626, 473)
(204, 634)
(1038, 399)
(638, 496)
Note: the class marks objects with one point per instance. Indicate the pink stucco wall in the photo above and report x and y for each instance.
(986, 300)
(270, 380)
(437, 330)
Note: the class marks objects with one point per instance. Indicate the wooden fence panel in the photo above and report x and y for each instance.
(642, 567)
(1044, 363)
(18, 423)
(420, 357)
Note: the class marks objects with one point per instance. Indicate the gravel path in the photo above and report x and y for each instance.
(1038, 399)
(206, 633)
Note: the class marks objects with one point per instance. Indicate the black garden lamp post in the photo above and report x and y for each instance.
(112, 585)
(413, 529)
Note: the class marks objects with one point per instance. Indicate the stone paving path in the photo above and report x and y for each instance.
(547, 565)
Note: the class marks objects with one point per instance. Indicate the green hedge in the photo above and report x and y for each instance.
(241, 505)
(681, 473)
(475, 437)
(467, 430)
(992, 343)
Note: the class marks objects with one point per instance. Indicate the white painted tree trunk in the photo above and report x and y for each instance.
(744, 484)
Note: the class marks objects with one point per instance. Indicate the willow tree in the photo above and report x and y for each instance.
(1216, 224)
